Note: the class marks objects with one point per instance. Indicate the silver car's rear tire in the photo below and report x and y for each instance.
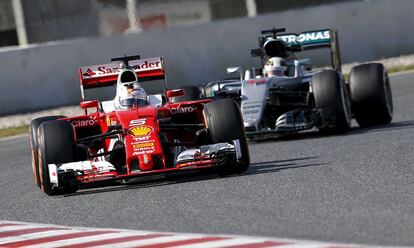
(371, 95)
(331, 99)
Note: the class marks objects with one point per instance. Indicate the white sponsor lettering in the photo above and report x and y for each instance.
(141, 65)
(100, 166)
(250, 112)
(306, 37)
(110, 69)
(288, 38)
(84, 123)
(141, 149)
(182, 110)
(142, 152)
(142, 141)
(146, 138)
(137, 122)
(238, 149)
(313, 36)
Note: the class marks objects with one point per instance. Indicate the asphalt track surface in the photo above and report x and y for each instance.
(357, 188)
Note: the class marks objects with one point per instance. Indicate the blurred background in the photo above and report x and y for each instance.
(44, 42)
(50, 20)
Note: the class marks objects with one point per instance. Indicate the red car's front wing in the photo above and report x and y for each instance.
(88, 177)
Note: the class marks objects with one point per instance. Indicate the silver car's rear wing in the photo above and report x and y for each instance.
(272, 44)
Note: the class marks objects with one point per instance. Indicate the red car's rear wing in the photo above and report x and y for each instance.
(95, 76)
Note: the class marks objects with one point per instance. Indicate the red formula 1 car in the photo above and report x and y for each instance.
(156, 136)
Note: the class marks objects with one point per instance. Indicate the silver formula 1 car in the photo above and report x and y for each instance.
(301, 98)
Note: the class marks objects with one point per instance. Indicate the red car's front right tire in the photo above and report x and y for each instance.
(225, 124)
(34, 125)
(56, 145)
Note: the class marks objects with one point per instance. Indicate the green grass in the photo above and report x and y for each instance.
(11, 131)
(391, 70)
(400, 68)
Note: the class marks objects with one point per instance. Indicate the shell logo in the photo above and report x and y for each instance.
(141, 130)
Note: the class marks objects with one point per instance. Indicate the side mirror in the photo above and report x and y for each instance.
(174, 93)
(156, 100)
(234, 70)
(89, 104)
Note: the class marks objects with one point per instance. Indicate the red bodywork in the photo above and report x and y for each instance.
(139, 128)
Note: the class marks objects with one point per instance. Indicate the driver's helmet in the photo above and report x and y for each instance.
(275, 66)
(129, 92)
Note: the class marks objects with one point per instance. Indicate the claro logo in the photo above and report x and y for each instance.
(182, 110)
(84, 123)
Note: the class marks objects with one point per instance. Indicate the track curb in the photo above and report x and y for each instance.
(23, 234)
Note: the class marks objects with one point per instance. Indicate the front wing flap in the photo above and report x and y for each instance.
(84, 172)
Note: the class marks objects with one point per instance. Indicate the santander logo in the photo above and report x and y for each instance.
(114, 68)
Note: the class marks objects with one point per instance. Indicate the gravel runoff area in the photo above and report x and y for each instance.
(24, 119)
(406, 60)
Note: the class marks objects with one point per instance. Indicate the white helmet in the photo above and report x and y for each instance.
(128, 90)
(275, 66)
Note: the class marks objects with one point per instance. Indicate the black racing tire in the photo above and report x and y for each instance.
(331, 98)
(224, 122)
(192, 93)
(56, 145)
(34, 125)
(371, 96)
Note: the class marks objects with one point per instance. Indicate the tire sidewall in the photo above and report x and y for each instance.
(56, 145)
(33, 139)
(331, 98)
(371, 94)
(43, 165)
(225, 124)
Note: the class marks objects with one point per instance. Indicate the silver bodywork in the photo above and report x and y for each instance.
(254, 96)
